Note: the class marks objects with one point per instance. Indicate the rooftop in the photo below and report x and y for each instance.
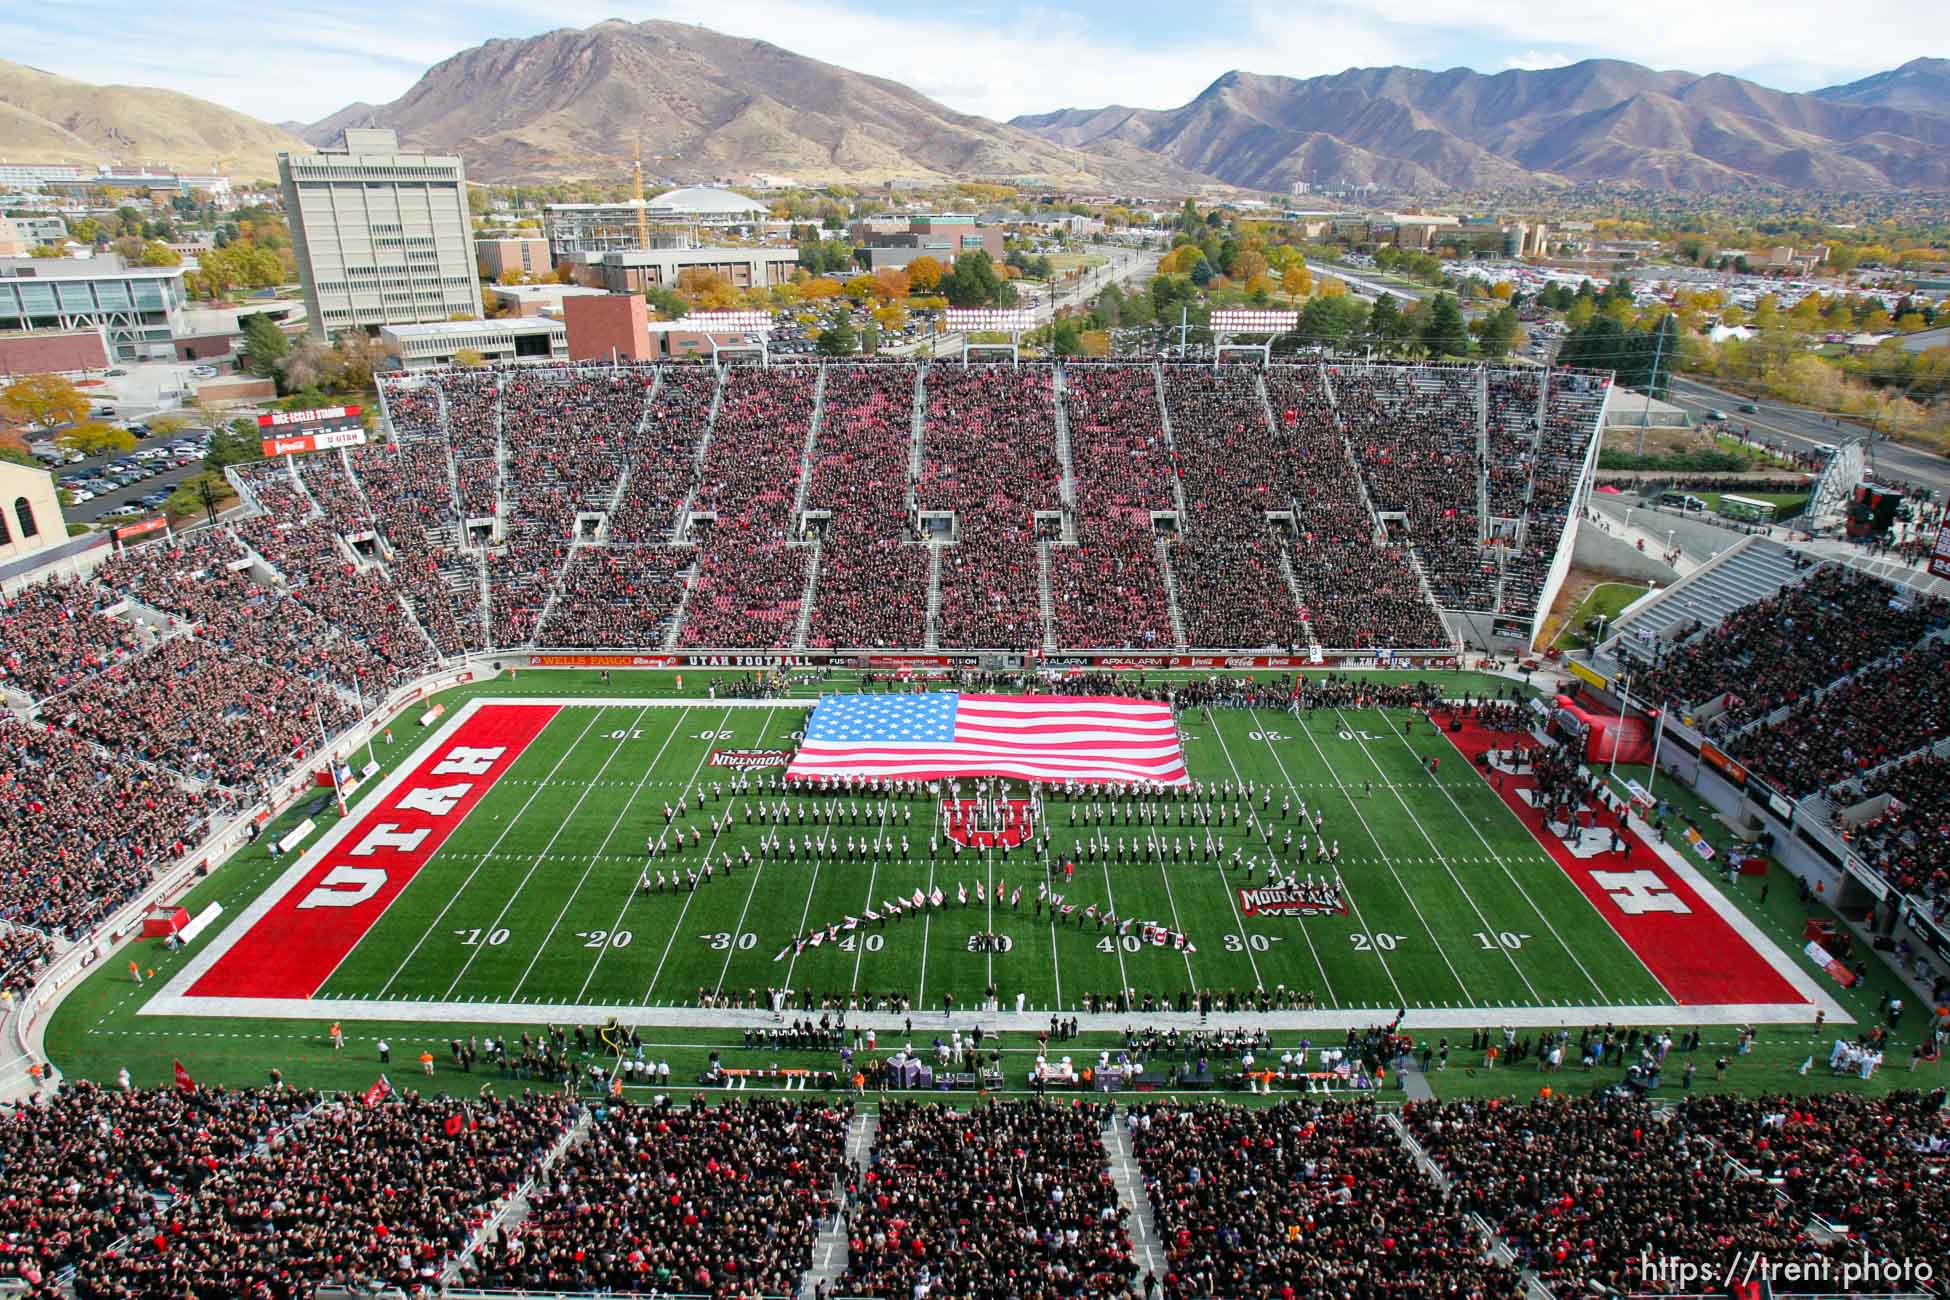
(437, 329)
(705, 198)
(100, 266)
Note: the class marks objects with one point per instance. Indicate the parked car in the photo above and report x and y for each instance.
(117, 373)
(78, 495)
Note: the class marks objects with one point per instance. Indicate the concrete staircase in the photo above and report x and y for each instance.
(806, 595)
(1060, 387)
(1043, 597)
(513, 1212)
(806, 453)
(934, 596)
(829, 1249)
(1147, 1247)
(1171, 594)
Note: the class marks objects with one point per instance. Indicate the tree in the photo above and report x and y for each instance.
(890, 282)
(1497, 332)
(1202, 273)
(167, 425)
(97, 439)
(1297, 280)
(265, 345)
(469, 358)
(1443, 334)
(357, 355)
(44, 400)
(838, 340)
(924, 274)
(157, 253)
(187, 499)
(1066, 337)
(973, 282)
(1329, 320)
(237, 443)
(1385, 320)
(860, 288)
(309, 365)
(44, 250)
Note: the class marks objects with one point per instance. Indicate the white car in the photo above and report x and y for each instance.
(78, 495)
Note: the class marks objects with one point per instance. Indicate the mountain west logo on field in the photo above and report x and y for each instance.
(749, 760)
(988, 823)
(1293, 900)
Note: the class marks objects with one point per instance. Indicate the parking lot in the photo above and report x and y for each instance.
(135, 483)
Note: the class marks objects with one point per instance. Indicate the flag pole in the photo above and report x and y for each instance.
(1624, 702)
(325, 749)
(1658, 734)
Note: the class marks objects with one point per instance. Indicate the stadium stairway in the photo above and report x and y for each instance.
(1043, 598)
(1164, 422)
(513, 1212)
(1171, 594)
(934, 596)
(806, 597)
(1750, 570)
(829, 1249)
(1147, 1247)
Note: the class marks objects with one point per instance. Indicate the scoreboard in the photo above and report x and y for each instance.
(287, 433)
(1940, 553)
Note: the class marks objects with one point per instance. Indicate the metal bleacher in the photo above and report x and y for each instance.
(1751, 570)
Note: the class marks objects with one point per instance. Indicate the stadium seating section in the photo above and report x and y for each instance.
(278, 1191)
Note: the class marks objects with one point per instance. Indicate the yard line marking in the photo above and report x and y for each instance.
(671, 941)
(1171, 901)
(512, 823)
(797, 934)
(927, 927)
(621, 813)
(560, 826)
(751, 890)
(860, 949)
(1239, 921)
(1110, 896)
(1498, 859)
(1423, 831)
(1386, 862)
(1359, 920)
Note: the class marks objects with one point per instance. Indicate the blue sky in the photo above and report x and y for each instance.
(994, 57)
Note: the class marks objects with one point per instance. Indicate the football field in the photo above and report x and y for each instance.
(500, 867)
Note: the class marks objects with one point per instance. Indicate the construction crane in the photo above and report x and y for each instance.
(642, 222)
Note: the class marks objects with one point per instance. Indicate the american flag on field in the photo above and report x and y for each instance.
(1086, 738)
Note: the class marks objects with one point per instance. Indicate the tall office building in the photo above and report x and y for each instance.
(382, 237)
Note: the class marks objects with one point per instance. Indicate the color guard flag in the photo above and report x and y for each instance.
(183, 1081)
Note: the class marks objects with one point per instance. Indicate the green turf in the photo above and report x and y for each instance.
(534, 898)
(97, 1029)
(1608, 599)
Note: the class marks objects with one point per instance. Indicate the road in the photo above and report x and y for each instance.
(1802, 429)
(1365, 284)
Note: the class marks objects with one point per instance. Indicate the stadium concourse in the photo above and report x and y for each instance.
(1323, 506)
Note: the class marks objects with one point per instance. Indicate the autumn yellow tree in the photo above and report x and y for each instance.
(1297, 279)
(45, 400)
(890, 282)
(924, 274)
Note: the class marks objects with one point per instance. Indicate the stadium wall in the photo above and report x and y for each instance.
(1615, 555)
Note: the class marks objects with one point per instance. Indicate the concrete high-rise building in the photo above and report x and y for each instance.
(382, 237)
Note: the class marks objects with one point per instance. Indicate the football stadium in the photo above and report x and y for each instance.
(1017, 829)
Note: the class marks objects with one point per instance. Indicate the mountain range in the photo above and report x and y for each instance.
(568, 103)
(50, 119)
(1600, 120)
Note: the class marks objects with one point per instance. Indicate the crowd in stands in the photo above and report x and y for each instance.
(53, 637)
(989, 456)
(697, 1199)
(1908, 841)
(1413, 431)
(1890, 710)
(120, 1192)
(873, 572)
(1781, 649)
(1586, 1189)
(751, 571)
(1573, 404)
(349, 1195)
(1232, 587)
(1300, 1198)
(1108, 590)
(1006, 1198)
(1358, 592)
(83, 830)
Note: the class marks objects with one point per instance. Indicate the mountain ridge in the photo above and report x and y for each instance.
(1596, 120)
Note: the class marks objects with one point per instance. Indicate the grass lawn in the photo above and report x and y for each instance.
(1608, 599)
(1786, 504)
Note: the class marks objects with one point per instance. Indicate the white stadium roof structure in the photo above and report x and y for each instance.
(705, 200)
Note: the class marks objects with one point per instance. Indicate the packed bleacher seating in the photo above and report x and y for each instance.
(873, 571)
(751, 569)
(1908, 841)
(989, 456)
(1574, 402)
(1514, 398)
(52, 637)
(1007, 1198)
(355, 1195)
(1356, 592)
(1585, 1189)
(1232, 587)
(1857, 724)
(1300, 1198)
(1775, 652)
(1413, 432)
(1109, 589)
(82, 830)
(697, 1199)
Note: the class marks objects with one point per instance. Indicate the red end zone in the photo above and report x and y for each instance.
(295, 946)
(1701, 960)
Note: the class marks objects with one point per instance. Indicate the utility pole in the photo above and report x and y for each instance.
(1183, 317)
(1652, 381)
